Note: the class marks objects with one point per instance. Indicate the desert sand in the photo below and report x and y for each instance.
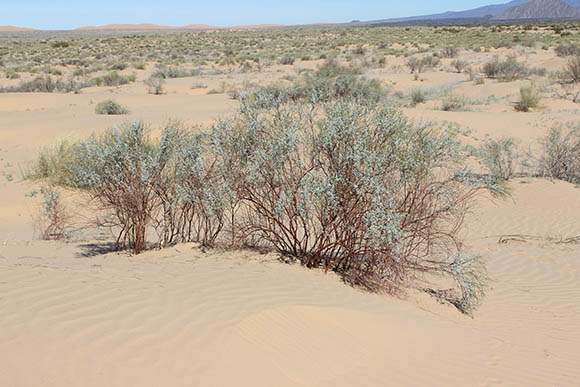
(79, 314)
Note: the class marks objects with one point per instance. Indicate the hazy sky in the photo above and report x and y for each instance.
(62, 14)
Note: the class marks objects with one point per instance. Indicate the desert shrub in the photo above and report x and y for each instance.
(110, 107)
(54, 164)
(52, 221)
(43, 84)
(500, 157)
(164, 72)
(529, 98)
(572, 70)
(560, 158)
(332, 69)
(60, 44)
(119, 169)
(417, 96)
(567, 50)
(459, 65)
(355, 189)
(286, 60)
(117, 66)
(113, 78)
(449, 52)
(418, 65)
(323, 86)
(192, 199)
(453, 103)
(508, 70)
(140, 183)
(155, 85)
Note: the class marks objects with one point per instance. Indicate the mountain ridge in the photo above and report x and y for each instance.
(540, 9)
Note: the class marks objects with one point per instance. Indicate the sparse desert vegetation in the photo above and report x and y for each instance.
(351, 188)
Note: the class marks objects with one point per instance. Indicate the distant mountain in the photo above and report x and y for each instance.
(541, 9)
(485, 12)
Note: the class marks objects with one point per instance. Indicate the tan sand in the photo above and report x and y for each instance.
(76, 314)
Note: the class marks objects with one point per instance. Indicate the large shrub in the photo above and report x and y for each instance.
(358, 190)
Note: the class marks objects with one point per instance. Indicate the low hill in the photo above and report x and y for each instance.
(14, 29)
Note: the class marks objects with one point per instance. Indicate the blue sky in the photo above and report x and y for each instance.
(62, 14)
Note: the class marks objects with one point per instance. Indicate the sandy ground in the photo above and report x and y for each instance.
(76, 314)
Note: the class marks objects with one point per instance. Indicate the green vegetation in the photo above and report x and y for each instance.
(110, 107)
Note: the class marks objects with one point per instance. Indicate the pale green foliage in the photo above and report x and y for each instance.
(529, 98)
(110, 107)
(354, 189)
(500, 157)
(155, 85)
(560, 158)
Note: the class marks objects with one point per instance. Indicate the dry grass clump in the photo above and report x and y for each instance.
(110, 107)
(529, 98)
(155, 85)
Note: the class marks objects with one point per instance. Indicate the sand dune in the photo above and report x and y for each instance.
(14, 29)
(78, 314)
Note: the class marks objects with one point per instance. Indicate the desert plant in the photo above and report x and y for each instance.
(52, 222)
(110, 107)
(352, 189)
(449, 52)
(453, 103)
(560, 158)
(459, 65)
(572, 70)
(500, 157)
(417, 96)
(529, 98)
(286, 60)
(508, 70)
(155, 85)
(54, 164)
(113, 78)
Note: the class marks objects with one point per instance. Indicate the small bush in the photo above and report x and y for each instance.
(113, 79)
(54, 164)
(529, 98)
(44, 84)
(286, 60)
(155, 85)
(449, 52)
(453, 103)
(417, 96)
(508, 70)
(52, 222)
(110, 107)
(165, 72)
(560, 157)
(500, 158)
(418, 65)
(459, 65)
(572, 70)
(568, 50)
